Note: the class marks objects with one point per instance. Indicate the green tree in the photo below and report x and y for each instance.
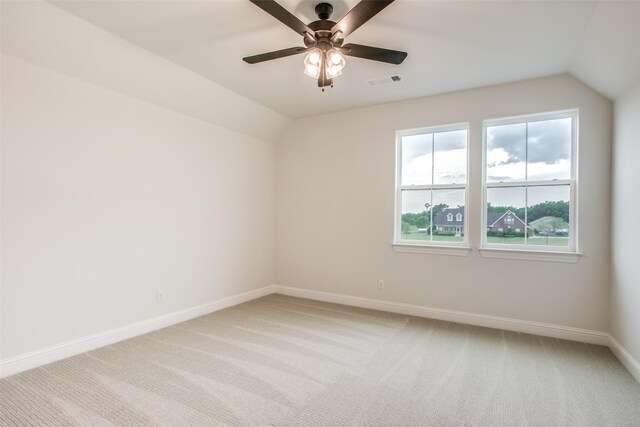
(422, 221)
(439, 208)
(406, 228)
(418, 220)
(557, 209)
(501, 209)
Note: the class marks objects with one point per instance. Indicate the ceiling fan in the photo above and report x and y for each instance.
(324, 39)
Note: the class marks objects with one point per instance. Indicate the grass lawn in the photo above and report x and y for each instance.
(436, 238)
(537, 240)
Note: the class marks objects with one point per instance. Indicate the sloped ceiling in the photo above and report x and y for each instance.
(40, 33)
(452, 45)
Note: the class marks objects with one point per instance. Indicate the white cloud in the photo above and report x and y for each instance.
(450, 167)
(500, 170)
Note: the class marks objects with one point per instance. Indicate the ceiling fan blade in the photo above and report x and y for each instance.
(283, 15)
(374, 53)
(274, 55)
(360, 14)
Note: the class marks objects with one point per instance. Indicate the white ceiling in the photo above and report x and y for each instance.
(452, 45)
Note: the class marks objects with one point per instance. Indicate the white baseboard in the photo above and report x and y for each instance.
(525, 326)
(23, 362)
(51, 354)
(625, 357)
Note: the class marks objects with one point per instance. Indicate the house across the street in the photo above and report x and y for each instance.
(505, 222)
(451, 220)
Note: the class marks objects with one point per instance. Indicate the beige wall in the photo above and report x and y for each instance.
(625, 268)
(42, 33)
(335, 206)
(106, 199)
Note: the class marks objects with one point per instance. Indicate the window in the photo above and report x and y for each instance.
(431, 186)
(529, 182)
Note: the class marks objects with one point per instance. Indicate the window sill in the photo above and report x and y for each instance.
(528, 255)
(431, 249)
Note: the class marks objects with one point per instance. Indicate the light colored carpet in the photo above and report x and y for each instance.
(285, 361)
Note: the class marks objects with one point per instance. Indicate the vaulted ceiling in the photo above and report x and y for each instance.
(452, 45)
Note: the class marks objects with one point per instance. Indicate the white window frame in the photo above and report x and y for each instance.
(424, 246)
(500, 250)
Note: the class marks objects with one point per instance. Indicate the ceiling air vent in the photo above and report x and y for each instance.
(383, 81)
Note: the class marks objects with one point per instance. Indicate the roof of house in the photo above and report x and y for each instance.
(441, 217)
(494, 217)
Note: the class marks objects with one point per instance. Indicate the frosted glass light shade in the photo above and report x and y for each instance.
(335, 63)
(312, 63)
(332, 60)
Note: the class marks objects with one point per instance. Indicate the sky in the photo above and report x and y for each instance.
(413, 201)
(511, 156)
(546, 154)
(449, 151)
(450, 158)
(510, 196)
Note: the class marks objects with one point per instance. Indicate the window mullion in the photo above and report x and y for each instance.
(415, 187)
(506, 184)
(540, 183)
(549, 183)
(433, 182)
(526, 188)
(435, 187)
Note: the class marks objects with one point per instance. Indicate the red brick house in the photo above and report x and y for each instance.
(504, 222)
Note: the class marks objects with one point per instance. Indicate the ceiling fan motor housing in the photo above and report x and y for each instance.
(324, 10)
(322, 29)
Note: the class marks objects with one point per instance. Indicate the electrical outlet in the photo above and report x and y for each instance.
(160, 297)
(380, 284)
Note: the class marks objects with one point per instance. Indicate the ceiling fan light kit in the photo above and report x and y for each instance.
(332, 62)
(325, 52)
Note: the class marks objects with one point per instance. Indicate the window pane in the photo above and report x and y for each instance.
(450, 157)
(549, 150)
(448, 215)
(505, 215)
(506, 151)
(416, 159)
(548, 215)
(416, 216)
